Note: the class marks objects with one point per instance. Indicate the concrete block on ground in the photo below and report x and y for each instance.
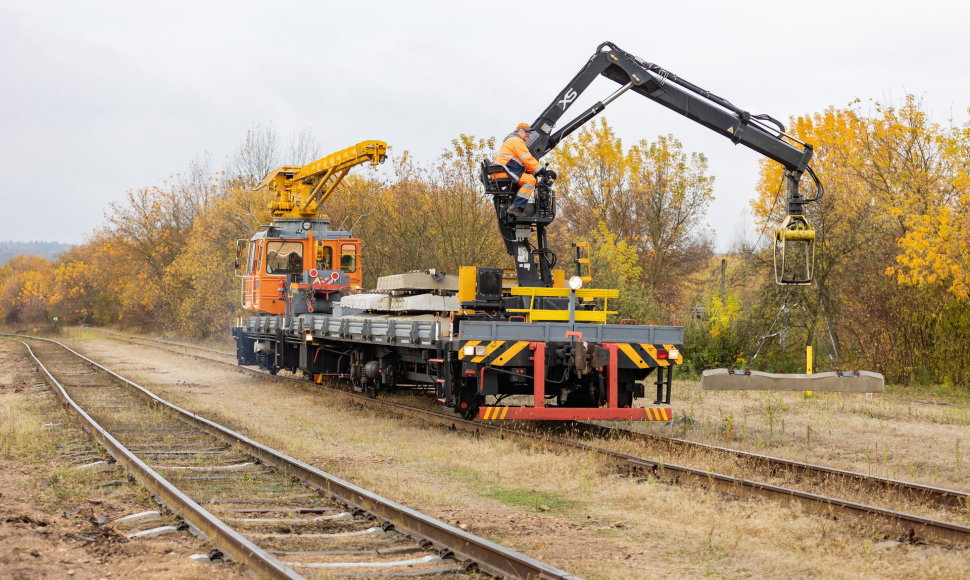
(160, 531)
(726, 380)
(140, 517)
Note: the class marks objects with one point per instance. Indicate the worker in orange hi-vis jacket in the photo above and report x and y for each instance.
(514, 155)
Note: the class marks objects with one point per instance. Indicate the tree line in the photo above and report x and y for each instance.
(892, 268)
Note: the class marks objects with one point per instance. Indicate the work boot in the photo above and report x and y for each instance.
(515, 211)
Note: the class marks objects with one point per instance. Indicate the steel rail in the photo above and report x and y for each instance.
(937, 496)
(490, 557)
(907, 524)
(229, 540)
(188, 345)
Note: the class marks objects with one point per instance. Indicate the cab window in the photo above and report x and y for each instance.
(251, 261)
(326, 258)
(348, 258)
(284, 258)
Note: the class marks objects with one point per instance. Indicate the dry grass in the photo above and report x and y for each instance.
(22, 434)
(886, 435)
(567, 509)
(32, 426)
(41, 443)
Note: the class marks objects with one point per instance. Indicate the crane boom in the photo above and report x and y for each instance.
(758, 132)
(301, 189)
(794, 241)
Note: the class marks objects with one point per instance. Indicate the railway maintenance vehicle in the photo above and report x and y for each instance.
(491, 343)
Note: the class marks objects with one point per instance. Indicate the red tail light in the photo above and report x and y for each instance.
(661, 354)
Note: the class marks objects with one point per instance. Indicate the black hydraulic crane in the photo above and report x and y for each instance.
(794, 240)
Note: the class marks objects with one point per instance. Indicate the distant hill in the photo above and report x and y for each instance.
(49, 250)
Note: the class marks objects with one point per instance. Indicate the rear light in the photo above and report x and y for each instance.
(313, 273)
(673, 354)
(661, 354)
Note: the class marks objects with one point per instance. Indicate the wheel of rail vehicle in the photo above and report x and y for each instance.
(371, 374)
(468, 400)
(355, 373)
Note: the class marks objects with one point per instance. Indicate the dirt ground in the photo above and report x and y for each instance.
(566, 509)
(54, 518)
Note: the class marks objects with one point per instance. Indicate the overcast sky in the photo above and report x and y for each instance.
(101, 97)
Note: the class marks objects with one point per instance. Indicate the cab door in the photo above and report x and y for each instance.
(348, 250)
(250, 275)
(278, 259)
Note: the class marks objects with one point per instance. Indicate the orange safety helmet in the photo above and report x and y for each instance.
(524, 126)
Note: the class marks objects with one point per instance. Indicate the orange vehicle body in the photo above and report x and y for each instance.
(271, 260)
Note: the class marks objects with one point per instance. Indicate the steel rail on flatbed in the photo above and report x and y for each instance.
(905, 524)
(490, 557)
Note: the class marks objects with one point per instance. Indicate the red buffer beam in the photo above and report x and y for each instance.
(576, 414)
(540, 412)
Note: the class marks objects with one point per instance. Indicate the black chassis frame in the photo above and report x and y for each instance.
(434, 365)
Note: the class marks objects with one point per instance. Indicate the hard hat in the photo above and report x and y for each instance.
(524, 126)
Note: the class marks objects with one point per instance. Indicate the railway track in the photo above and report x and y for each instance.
(852, 484)
(281, 517)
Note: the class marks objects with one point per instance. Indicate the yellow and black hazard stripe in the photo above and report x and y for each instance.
(644, 356)
(497, 352)
(494, 412)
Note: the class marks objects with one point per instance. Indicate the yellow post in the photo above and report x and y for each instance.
(808, 369)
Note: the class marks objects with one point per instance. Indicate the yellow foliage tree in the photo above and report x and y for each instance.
(893, 257)
(25, 289)
(652, 196)
(207, 294)
(424, 218)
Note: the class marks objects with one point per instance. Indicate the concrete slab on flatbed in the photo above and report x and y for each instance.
(727, 380)
(424, 280)
(413, 303)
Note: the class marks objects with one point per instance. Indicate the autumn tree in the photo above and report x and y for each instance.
(303, 148)
(202, 275)
(146, 233)
(258, 154)
(888, 269)
(25, 289)
(652, 196)
(671, 192)
(423, 217)
(77, 286)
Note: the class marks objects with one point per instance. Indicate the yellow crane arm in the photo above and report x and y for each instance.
(301, 190)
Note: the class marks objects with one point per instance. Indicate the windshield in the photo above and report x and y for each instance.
(284, 257)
